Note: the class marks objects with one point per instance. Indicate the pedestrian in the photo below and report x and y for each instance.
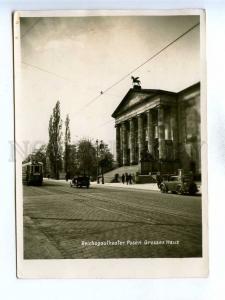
(158, 179)
(123, 178)
(127, 178)
(66, 177)
(130, 179)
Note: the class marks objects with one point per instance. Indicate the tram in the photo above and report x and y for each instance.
(32, 173)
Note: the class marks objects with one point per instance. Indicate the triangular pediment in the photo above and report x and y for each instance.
(134, 98)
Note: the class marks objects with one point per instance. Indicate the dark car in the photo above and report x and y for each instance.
(179, 184)
(79, 181)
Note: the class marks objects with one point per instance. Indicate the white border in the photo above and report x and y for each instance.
(113, 268)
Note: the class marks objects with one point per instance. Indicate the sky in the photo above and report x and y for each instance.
(73, 59)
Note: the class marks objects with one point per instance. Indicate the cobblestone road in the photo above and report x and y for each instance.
(108, 222)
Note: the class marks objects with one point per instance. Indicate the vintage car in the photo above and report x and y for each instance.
(179, 184)
(79, 181)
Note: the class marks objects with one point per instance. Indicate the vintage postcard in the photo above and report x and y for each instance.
(110, 144)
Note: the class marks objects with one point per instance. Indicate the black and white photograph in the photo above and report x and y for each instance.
(110, 143)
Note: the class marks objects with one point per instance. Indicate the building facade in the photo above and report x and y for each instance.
(159, 130)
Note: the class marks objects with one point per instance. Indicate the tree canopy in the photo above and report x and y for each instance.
(82, 158)
(86, 157)
(67, 148)
(55, 141)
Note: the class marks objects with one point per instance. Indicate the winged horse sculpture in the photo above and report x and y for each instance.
(136, 81)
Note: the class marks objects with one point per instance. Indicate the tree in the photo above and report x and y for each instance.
(86, 156)
(105, 159)
(73, 165)
(55, 141)
(40, 155)
(67, 148)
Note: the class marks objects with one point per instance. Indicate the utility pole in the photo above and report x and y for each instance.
(102, 147)
(99, 149)
(97, 157)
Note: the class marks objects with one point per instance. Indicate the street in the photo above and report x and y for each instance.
(61, 222)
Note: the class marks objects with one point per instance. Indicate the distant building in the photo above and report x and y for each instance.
(159, 130)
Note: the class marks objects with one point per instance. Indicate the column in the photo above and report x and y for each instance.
(150, 132)
(140, 136)
(124, 144)
(132, 142)
(118, 145)
(169, 127)
(161, 133)
(174, 129)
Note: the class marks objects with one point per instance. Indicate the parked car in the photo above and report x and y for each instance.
(179, 184)
(79, 181)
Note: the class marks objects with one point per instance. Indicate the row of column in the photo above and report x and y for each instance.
(122, 141)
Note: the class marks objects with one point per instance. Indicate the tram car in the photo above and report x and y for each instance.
(32, 173)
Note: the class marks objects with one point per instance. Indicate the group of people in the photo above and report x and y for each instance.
(127, 178)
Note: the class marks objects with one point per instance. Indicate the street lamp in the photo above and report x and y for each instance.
(99, 149)
(97, 152)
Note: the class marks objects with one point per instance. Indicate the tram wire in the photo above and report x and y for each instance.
(102, 92)
(139, 66)
(30, 28)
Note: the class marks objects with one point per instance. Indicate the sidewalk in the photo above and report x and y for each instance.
(143, 186)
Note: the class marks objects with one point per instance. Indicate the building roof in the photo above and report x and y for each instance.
(146, 94)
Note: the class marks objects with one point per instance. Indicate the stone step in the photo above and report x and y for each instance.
(109, 176)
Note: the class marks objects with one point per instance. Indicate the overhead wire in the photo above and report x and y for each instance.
(102, 92)
(37, 67)
(139, 66)
(30, 28)
(47, 71)
(50, 72)
(152, 57)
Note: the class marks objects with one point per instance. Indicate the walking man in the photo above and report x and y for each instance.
(123, 178)
(130, 179)
(127, 178)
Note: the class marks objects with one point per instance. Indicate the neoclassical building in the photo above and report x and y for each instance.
(159, 130)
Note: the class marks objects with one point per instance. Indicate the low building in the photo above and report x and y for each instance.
(159, 130)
